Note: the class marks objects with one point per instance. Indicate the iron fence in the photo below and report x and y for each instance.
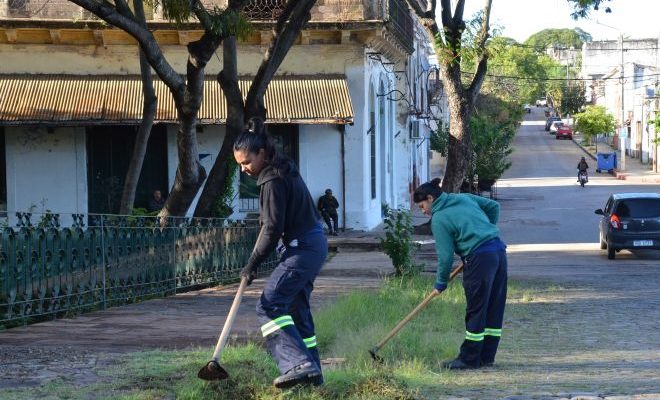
(100, 261)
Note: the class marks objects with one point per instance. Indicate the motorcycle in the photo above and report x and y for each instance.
(583, 177)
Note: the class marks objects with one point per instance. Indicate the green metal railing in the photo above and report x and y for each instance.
(100, 261)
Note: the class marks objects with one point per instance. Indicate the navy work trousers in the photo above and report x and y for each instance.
(485, 282)
(284, 310)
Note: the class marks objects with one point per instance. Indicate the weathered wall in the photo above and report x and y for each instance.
(46, 169)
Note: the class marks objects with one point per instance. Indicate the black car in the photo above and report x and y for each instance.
(630, 221)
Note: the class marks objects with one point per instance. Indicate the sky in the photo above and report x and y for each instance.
(636, 19)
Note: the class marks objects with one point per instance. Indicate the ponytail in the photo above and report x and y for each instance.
(254, 138)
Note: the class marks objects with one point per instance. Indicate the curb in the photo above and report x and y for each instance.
(587, 152)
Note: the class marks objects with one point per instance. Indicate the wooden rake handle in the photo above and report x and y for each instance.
(414, 312)
(217, 353)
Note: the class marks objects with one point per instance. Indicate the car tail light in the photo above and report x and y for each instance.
(615, 222)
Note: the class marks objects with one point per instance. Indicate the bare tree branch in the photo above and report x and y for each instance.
(482, 64)
(109, 14)
(295, 16)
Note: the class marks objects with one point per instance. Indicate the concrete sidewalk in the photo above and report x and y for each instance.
(635, 171)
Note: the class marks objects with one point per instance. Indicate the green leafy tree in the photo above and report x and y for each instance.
(595, 120)
(564, 38)
(463, 86)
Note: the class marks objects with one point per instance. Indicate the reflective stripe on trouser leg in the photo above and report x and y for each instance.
(475, 337)
(310, 342)
(493, 332)
(276, 324)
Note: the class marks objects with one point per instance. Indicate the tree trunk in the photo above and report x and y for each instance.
(144, 131)
(459, 152)
(294, 16)
(228, 80)
(190, 174)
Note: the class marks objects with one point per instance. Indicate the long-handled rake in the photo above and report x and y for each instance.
(374, 350)
(213, 371)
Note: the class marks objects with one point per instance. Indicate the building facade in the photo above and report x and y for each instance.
(350, 103)
(623, 77)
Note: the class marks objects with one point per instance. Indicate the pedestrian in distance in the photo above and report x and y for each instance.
(286, 215)
(328, 206)
(156, 202)
(466, 224)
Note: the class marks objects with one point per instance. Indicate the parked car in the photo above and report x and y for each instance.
(630, 221)
(541, 102)
(564, 132)
(528, 108)
(555, 125)
(549, 122)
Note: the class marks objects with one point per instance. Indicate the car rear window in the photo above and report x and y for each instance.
(639, 208)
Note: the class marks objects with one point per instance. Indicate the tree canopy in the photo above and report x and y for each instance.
(595, 120)
(564, 38)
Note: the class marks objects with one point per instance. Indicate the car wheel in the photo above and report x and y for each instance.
(610, 252)
(603, 245)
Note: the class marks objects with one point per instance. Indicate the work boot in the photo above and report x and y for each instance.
(458, 364)
(305, 373)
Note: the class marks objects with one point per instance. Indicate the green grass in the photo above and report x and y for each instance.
(348, 329)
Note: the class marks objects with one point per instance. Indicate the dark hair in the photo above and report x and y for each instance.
(254, 138)
(425, 189)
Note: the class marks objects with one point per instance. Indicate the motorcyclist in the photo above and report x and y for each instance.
(582, 167)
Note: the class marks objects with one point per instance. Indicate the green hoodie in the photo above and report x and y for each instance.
(461, 223)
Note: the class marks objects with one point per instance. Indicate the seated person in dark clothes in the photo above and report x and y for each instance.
(328, 206)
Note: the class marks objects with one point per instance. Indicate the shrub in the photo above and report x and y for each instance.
(398, 243)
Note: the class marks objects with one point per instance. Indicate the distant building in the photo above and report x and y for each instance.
(625, 81)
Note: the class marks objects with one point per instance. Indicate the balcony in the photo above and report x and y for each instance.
(356, 15)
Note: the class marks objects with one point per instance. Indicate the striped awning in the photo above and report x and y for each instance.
(111, 99)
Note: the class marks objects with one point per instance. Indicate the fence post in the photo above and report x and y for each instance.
(174, 235)
(103, 262)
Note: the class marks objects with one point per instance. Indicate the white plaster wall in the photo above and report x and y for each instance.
(209, 143)
(320, 162)
(46, 170)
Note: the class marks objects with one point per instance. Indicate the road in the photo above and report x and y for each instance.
(599, 324)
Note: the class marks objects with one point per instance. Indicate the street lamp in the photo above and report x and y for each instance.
(623, 132)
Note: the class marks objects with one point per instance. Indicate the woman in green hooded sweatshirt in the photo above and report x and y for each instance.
(465, 224)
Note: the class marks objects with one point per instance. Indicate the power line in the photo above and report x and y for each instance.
(526, 78)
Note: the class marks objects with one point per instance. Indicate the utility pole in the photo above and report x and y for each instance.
(622, 138)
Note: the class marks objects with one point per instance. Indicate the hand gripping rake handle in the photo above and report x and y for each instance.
(408, 317)
(217, 353)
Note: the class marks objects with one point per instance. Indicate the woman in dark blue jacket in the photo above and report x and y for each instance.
(287, 213)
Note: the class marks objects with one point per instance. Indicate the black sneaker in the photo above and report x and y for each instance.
(458, 364)
(302, 374)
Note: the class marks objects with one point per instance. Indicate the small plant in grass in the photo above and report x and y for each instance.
(398, 243)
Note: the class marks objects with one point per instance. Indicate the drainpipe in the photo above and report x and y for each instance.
(342, 132)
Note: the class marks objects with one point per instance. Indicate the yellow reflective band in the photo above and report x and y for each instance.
(493, 332)
(310, 342)
(274, 325)
(475, 337)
